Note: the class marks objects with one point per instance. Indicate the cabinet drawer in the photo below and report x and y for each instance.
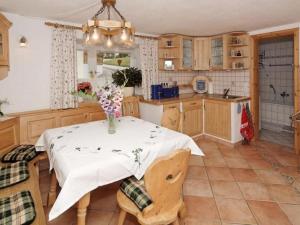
(191, 105)
(172, 106)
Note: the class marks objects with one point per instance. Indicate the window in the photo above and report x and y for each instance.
(93, 63)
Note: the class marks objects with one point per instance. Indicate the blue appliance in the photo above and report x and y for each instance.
(159, 92)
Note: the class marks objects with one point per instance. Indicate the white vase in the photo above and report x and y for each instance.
(128, 91)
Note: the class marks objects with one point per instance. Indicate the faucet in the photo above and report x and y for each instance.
(225, 92)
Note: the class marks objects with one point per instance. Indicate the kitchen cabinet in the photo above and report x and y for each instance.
(216, 52)
(9, 133)
(192, 121)
(4, 46)
(217, 117)
(201, 53)
(175, 52)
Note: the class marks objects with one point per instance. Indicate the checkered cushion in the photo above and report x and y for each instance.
(20, 153)
(135, 190)
(13, 174)
(17, 209)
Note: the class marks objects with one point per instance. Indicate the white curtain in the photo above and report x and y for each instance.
(148, 49)
(63, 71)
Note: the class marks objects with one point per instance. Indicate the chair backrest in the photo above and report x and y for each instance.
(130, 106)
(163, 182)
(171, 119)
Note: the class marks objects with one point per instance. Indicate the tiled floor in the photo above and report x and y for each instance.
(283, 137)
(257, 184)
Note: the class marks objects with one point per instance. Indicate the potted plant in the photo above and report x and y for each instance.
(130, 76)
(2, 102)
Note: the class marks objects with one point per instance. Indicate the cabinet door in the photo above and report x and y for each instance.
(216, 53)
(3, 46)
(95, 116)
(192, 122)
(217, 117)
(201, 53)
(187, 53)
(80, 117)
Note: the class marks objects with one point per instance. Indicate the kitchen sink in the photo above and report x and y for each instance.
(231, 97)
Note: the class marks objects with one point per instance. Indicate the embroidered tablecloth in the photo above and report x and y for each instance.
(85, 156)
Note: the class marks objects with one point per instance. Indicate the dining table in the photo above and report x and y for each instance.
(84, 156)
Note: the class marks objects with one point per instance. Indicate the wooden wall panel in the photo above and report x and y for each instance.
(9, 133)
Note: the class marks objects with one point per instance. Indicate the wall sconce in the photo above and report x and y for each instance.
(23, 42)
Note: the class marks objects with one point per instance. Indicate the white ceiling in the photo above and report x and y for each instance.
(192, 17)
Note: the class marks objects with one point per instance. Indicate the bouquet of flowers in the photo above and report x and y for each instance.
(110, 98)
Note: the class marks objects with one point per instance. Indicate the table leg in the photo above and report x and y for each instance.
(82, 208)
(52, 192)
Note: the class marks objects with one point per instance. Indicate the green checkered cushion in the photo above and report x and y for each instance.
(13, 173)
(17, 209)
(20, 153)
(135, 190)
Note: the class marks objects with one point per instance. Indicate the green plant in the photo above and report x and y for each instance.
(2, 102)
(131, 77)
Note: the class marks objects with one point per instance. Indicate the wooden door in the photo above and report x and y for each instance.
(201, 53)
(186, 53)
(192, 121)
(216, 52)
(217, 117)
(4, 26)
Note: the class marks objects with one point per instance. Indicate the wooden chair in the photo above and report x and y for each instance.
(171, 119)
(163, 182)
(130, 106)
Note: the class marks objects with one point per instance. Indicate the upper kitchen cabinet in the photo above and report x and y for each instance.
(4, 46)
(217, 56)
(201, 53)
(175, 52)
(237, 51)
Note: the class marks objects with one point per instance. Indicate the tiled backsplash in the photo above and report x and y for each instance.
(237, 81)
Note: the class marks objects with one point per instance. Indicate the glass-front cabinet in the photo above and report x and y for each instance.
(4, 46)
(187, 53)
(216, 60)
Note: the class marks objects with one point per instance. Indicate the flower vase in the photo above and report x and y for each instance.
(111, 118)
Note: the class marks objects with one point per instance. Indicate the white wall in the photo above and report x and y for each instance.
(27, 85)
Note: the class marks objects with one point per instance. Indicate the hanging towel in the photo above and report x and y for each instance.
(246, 130)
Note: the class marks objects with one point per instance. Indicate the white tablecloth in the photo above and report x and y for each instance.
(85, 156)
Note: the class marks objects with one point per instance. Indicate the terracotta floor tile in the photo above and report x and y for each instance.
(129, 220)
(292, 212)
(215, 162)
(193, 187)
(226, 189)
(255, 191)
(234, 211)
(250, 154)
(97, 217)
(201, 209)
(104, 198)
(284, 194)
(244, 175)
(268, 213)
(288, 160)
(230, 152)
(236, 163)
(271, 177)
(67, 218)
(219, 173)
(197, 172)
(196, 160)
(259, 164)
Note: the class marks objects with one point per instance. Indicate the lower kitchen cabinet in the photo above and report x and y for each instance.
(217, 117)
(192, 121)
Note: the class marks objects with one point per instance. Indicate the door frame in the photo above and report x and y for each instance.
(254, 77)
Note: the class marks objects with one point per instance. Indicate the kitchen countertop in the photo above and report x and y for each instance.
(195, 96)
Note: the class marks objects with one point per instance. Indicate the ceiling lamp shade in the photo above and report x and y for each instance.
(108, 32)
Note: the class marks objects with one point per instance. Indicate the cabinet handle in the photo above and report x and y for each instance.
(172, 107)
(194, 103)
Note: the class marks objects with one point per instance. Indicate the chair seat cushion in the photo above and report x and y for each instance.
(13, 173)
(17, 209)
(135, 190)
(20, 153)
